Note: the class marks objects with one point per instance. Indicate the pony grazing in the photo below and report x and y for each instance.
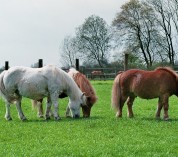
(160, 83)
(84, 85)
(37, 83)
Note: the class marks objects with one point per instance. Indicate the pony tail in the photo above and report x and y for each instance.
(2, 87)
(116, 96)
(34, 104)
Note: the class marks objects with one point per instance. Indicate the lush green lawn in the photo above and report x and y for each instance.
(100, 135)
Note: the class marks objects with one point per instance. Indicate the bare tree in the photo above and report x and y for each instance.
(136, 27)
(164, 17)
(173, 9)
(94, 40)
(69, 52)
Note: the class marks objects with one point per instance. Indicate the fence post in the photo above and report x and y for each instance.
(77, 64)
(40, 63)
(6, 65)
(126, 61)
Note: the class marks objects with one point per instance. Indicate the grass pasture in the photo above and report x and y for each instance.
(100, 135)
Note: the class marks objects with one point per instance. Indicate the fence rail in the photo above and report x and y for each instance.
(105, 73)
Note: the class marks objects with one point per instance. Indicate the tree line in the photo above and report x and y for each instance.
(147, 30)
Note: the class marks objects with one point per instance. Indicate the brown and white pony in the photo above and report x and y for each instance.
(84, 85)
(160, 83)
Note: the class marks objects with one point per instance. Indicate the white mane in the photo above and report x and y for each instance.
(69, 84)
(72, 72)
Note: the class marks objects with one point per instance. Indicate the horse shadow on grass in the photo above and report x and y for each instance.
(159, 120)
(62, 120)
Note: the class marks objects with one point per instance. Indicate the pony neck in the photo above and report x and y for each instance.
(72, 90)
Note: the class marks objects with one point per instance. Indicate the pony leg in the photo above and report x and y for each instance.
(120, 106)
(130, 101)
(7, 115)
(19, 109)
(159, 108)
(54, 100)
(68, 111)
(40, 108)
(163, 102)
(166, 108)
(48, 108)
(56, 108)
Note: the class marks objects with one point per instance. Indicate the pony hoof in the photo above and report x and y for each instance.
(76, 116)
(86, 116)
(47, 118)
(57, 118)
(51, 114)
(166, 119)
(23, 119)
(40, 116)
(158, 118)
(8, 118)
(68, 116)
(118, 116)
(131, 116)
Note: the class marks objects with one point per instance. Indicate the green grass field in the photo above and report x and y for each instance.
(100, 135)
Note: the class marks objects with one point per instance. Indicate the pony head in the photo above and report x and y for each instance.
(87, 108)
(86, 87)
(75, 105)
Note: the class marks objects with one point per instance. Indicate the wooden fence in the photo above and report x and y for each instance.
(100, 73)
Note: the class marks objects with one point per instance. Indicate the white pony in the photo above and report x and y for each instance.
(37, 83)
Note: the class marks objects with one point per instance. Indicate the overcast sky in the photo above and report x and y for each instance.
(34, 29)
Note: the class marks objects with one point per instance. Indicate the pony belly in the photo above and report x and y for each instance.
(146, 95)
(33, 93)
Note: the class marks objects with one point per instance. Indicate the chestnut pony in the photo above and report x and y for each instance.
(160, 83)
(84, 85)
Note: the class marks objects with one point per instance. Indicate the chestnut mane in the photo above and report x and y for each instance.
(85, 86)
(168, 69)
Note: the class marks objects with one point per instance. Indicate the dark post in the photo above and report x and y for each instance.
(40, 63)
(126, 61)
(6, 65)
(77, 64)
